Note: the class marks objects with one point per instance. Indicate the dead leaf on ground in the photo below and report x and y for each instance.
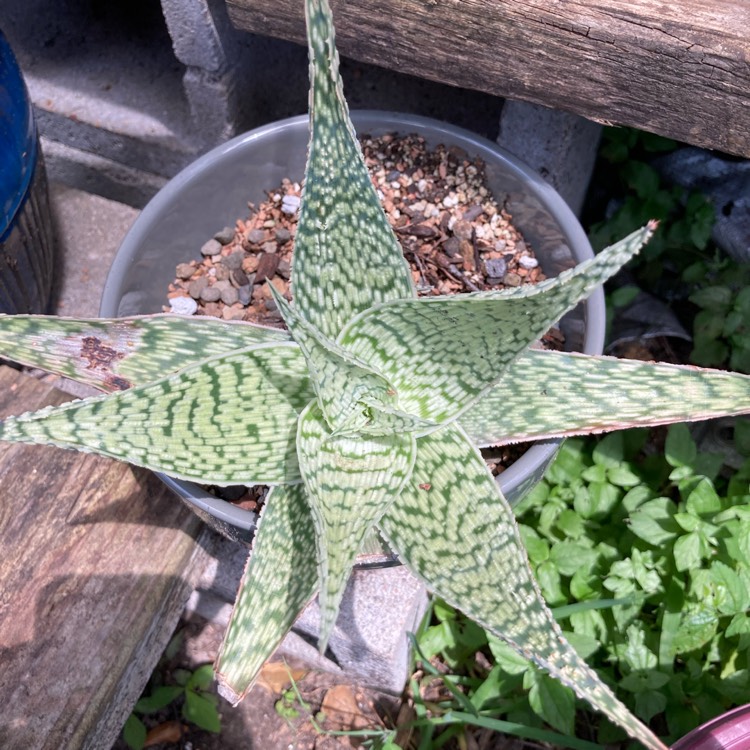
(167, 731)
(276, 676)
(343, 711)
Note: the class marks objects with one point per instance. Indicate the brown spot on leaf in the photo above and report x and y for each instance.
(117, 383)
(425, 486)
(99, 355)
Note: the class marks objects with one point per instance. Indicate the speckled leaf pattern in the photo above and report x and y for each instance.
(455, 530)
(340, 381)
(553, 394)
(353, 398)
(230, 420)
(279, 580)
(440, 353)
(346, 256)
(120, 353)
(350, 483)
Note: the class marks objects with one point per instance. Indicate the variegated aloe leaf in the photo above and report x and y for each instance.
(353, 398)
(120, 353)
(350, 482)
(454, 529)
(279, 580)
(228, 420)
(346, 256)
(552, 394)
(441, 353)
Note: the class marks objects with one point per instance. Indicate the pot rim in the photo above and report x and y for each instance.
(593, 339)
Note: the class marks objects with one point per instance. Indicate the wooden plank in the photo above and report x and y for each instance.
(98, 561)
(680, 69)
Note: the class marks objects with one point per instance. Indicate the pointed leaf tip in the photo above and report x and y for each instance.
(346, 256)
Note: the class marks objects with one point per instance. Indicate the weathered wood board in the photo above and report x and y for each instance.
(97, 562)
(680, 69)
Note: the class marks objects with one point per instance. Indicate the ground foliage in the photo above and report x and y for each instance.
(665, 534)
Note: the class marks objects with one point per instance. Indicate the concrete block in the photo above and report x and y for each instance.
(195, 36)
(369, 641)
(560, 146)
(213, 103)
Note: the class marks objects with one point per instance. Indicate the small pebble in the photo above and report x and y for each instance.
(245, 294)
(462, 230)
(290, 204)
(452, 246)
(196, 286)
(212, 247)
(225, 236)
(526, 261)
(283, 235)
(473, 213)
(221, 272)
(270, 247)
(239, 278)
(211, 294)
(496, 267)
(512, 279)
(285, 269)
(255, 236)
(185, 270)
(234, 260)
(183, 305)
(229, 295)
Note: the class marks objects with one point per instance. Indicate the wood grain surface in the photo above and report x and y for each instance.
(680, 69)
(97, 562)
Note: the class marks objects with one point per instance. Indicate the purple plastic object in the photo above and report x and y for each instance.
(730, 731)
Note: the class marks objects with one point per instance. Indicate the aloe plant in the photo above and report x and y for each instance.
(366, 416)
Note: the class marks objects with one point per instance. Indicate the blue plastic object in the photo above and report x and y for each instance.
(26, 237)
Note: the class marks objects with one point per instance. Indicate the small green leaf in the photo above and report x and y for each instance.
(536, 547)
(507, 658)
(680, 449)
(703, 499)
(643, 681)
(653, 521)
(623, 476)
(569, 556)
(688, 551)
(649, 703)
(715, 298)
(739, 625)
(159, 698)
(199, 710)
(134, 732)
(552, 702)
(731, 595)
(697, 626)
(202, 678)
